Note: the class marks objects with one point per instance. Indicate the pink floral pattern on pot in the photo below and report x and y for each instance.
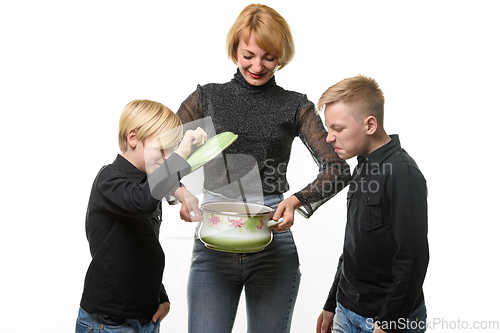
(236, 223)
(214, 222)
(251, 225)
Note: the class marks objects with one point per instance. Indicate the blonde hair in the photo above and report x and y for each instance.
(149, 119)
(269, 29)
(360, 91)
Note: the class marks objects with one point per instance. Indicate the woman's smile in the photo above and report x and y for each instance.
(255, 76)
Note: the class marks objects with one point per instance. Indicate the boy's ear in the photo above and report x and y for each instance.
(132, 138)
(371, 125)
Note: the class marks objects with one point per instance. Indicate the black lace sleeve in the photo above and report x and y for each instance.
(333, 174)
(190, 109)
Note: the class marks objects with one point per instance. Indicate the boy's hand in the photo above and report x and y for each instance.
(162, 312)
(324, 323)
(196, 137)
(286, 208)
(190, 211)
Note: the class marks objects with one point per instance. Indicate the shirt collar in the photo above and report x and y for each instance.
(381, 154)
(129, 169)
(238, 77)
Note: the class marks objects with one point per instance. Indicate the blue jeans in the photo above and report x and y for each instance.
(346, 321)
(90, 322)
(270, 278)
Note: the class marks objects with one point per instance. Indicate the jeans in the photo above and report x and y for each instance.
(270, 279)
(346, 321)
(90, 322)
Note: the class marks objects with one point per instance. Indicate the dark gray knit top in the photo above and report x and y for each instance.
(267, 119)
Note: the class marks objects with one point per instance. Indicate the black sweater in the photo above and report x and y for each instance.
(267, 119)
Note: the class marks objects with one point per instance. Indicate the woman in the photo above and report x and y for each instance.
(266, 118)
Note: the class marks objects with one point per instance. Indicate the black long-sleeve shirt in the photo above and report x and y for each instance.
(385, 257)
(267, 119)
(124, 278)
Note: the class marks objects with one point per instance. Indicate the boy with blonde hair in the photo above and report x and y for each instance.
(123, 287)
(378, 284)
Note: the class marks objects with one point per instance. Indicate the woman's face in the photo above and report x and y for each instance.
(256, 65)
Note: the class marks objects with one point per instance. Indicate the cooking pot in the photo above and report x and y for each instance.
(241, 227)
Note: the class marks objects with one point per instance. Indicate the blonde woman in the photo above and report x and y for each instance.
(267, 119)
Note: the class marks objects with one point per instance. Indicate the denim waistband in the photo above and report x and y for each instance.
(271, 200)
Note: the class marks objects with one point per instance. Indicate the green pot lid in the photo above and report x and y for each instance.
(213, 147)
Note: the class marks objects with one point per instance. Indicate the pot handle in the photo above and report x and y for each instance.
(271, 223)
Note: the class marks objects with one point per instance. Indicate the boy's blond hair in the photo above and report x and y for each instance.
(149, 119)
(269, 29)
(360, 91)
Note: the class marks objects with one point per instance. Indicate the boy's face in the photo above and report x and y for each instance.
(154, 156)
(347, 134)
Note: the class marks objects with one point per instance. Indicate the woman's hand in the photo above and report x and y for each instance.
(286, 209)
(162, 312)
(189, 203)
(197, 138)
(324, 323)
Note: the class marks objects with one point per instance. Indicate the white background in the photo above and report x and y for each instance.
(69, 67)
